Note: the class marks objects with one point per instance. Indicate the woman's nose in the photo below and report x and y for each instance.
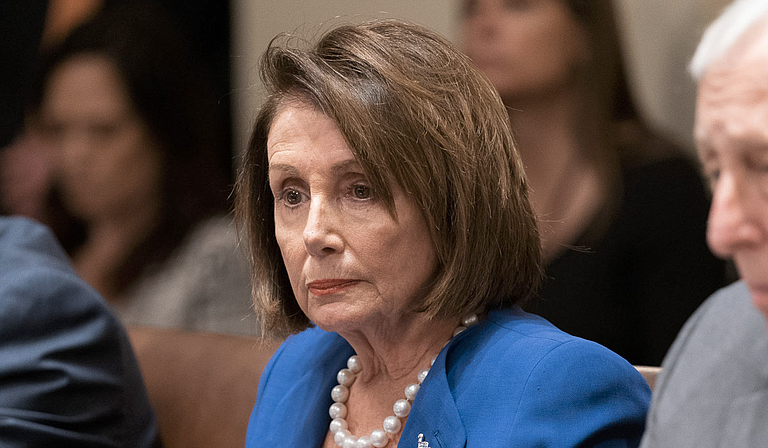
(74, 151)
(731, 225)
(322, 231)
(75, 145)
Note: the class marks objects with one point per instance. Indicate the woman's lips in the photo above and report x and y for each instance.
(329, 286)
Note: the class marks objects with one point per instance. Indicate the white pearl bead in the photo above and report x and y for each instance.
(411, 390)
(353, 363)
(470, 320)
(338, 410)
(345, 377)
(337, 424)
(401, 408)
(363, 442)
(392, 424)
(340, 393)
(379, 438)
(458, 330)
(349, 442)
(422, 375)
(432, 361)
(340, 436)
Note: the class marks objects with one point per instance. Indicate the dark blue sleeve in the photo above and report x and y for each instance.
(68, 375)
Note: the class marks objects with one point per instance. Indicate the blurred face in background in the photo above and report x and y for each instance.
(105, 160)
(525, 47)
(732, 139)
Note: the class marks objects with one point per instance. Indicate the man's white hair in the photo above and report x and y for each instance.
(725, 31)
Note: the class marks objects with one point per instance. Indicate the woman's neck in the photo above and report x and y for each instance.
(546, 134)
(395, 348)
(567, 187)
(391, 357)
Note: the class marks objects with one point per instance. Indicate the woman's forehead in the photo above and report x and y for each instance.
(301, 132)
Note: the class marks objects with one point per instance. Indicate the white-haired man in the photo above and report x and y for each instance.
(713, 390)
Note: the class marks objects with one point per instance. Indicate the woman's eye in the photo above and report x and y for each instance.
(469, 8)
(361, 191)
(292, 197)
(289, 196)
(759, 164)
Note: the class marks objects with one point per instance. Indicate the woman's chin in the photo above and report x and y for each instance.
(337, 317)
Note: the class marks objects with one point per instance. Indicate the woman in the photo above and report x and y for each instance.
(387, 211)
(139, 193)
(622, 211)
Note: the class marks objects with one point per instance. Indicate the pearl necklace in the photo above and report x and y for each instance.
(402, 407)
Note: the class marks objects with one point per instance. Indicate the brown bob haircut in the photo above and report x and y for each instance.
(415, 111)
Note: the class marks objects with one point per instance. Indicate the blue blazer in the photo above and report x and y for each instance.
(68, 376)
(514, 380)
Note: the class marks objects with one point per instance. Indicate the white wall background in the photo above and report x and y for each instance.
(659, 37)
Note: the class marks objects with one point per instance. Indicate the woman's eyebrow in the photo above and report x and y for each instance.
(289, 170)
(336, 169)
(347, 165)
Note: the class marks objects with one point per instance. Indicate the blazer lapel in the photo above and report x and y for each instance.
(434, 420)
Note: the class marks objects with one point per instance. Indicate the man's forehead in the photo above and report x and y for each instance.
(746, 81)
(741, 75)
(732, 102)
(752, 47)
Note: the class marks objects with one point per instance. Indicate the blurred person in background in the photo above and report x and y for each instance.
(622, 210)
(68, 375)
(138, 196)
(713, 387)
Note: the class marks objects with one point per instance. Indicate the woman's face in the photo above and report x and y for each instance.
(104, 158)
(525, 47)
(351, 264)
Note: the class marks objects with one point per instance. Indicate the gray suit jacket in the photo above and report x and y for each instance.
(713, 388)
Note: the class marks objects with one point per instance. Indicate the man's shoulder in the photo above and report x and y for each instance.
(716, 362)
(60, 334)
(26, 242)
(722, 322)
(726, 331)
(734, 297)
(37, 282)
